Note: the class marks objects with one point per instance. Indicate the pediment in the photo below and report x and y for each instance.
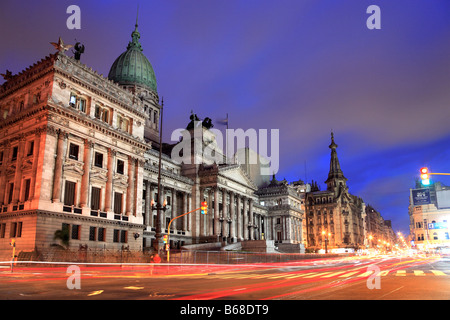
(74, 168)
(100, 175)
(235, 173)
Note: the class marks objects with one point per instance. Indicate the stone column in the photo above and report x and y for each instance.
(189, 216)
(251, 222)
(18, 174)
(37, 142)
(216, 213)
(162, 217)
(7, 148)
(239, 221)
(233, 218)
(202, 216)
(109, 181)
(245, 219)
(174, 210)
(86, 171)
(185, 209)
(130, 189)
(224, 213)
(57, 178)
(148, 201)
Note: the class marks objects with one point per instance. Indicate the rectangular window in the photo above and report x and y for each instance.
(69, 193)
(105, 115)
(26, 192)
(73, 151)
(97, 112)
(11, 191)
(15, 150)
(73, 100)
(2, 230)
(13, 230)
(120, 166)
(98, 160)
(116, 235)
(117, 203)
(82, 105)
(19, 230)
(76, 232)
(92, 233)
(30, 148)
(101, 234)
(95, 198)
(123, 236)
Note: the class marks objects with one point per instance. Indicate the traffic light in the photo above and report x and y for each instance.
(424, 176)
(165, 238)
(204, 207)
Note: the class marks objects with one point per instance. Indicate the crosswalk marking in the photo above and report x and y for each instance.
(332, 274)
(365, 274)
(321, 275)
(348, 274)
(318, 274)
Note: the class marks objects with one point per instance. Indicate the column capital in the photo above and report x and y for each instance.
(89, 143)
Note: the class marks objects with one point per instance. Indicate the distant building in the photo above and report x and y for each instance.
(429, 215)
(286, 222)
(379, 231)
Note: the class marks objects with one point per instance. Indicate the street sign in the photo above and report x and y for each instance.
(437, 225)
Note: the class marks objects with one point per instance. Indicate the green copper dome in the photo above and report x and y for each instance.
(132, 66)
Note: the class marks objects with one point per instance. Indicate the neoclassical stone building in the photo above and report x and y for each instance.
(79, 153)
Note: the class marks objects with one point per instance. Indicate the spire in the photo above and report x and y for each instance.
(335, 176)
(137, 15)
(135, 35)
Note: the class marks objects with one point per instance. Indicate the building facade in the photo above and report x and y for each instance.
(429, 214)
(379, 231)
(335, 218)
(285, 203)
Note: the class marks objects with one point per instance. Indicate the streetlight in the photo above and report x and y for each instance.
(158, 207)
(326, 239)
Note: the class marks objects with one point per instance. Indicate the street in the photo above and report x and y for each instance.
(346, 278)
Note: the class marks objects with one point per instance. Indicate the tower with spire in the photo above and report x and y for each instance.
(336, 179)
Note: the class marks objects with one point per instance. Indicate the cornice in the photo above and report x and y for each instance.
(59, 215)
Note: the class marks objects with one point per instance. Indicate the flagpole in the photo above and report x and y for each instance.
(226, 140)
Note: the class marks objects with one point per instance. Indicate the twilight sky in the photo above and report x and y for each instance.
(303, 67)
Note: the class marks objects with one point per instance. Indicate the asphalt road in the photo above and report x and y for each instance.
(351, 278)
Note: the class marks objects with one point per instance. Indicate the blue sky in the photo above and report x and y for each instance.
(303, 67)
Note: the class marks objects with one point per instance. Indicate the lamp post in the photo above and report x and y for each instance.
(158, 207)
(326, 239)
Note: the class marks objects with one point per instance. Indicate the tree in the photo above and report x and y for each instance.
(63, 236)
